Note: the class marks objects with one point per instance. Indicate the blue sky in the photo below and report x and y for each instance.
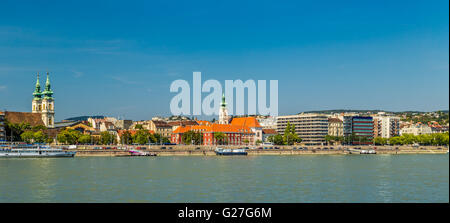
(119, 57)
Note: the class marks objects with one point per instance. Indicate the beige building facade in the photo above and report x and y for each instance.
(335, 127)
(312, 128)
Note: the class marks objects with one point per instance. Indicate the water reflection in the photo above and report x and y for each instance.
(405, 178)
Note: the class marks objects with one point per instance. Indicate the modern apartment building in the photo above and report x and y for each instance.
(347, 121)
(312, 128)
(386, 126)
(362, 130)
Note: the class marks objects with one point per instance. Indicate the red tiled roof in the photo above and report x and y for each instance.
(182, 123)
(33, 119)
(270, 131)
(201, 122)
(250, 122)
(160, 124)
(334, 120)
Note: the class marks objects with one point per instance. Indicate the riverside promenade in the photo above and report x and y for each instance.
(189, 150)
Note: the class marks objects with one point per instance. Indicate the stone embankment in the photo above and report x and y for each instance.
(184, 150)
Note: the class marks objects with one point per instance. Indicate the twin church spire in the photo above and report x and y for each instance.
(47, 93)
(43, 102)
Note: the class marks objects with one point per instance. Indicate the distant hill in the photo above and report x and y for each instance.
(364, 111)
(345, 111)
(83, 118)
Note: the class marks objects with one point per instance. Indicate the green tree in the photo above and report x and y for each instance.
(396, 140)
(277, 139)
(158, 138)
(445, 139)
(290, 137)
(106, 138)
(425, 139)
(85, 139)
(49, 140)
(143, 137)
(340, 139)
(408, 139)
(165, 140)
(287, 132)
(191, 137)
(220, 138)
(329, 138)
(27, 136)
(126, 138)
(38, 127)
(68, 136)
(380, 141)
(40, 137)
(440, 139)
(15, 130)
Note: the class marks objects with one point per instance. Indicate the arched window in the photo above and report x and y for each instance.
(39, 108)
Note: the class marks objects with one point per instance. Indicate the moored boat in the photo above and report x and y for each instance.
(33, 151)
(230, 152)
(368, 152)
(140, 153)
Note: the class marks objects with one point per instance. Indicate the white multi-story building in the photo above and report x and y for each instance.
(312, 128)
(418, 129)
(267, 122)
(386, 126)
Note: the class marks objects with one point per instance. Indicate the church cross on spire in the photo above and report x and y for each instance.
(48, 93)
(37, 91)
(224, 104)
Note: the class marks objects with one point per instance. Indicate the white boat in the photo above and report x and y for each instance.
(140, 153)
(368, 152)
(32, 151)
(230, 152)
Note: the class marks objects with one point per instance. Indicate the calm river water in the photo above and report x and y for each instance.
(308, 178)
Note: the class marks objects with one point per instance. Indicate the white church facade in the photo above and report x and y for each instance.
(44, 103)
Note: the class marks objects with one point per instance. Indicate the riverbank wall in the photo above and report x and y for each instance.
(187, 150)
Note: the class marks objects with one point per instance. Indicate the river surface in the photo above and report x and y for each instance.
(306, 178)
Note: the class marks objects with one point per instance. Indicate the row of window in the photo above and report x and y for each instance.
(42, 107)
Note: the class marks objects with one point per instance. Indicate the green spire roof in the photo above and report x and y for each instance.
(48, 93)
(37, 91)
(224, 104)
